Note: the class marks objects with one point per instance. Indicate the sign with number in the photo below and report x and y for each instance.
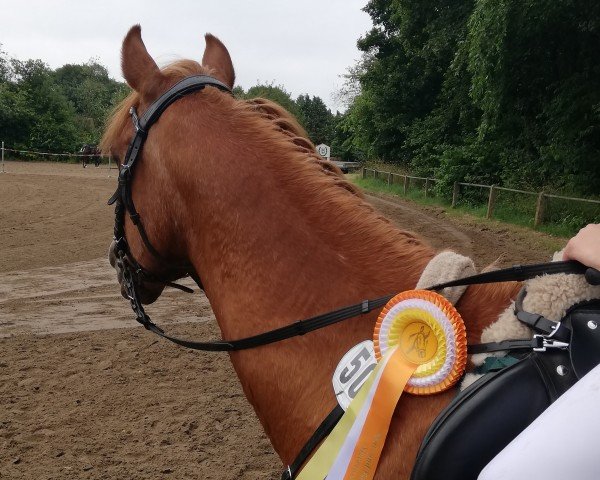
(353, 371)
(324, 150)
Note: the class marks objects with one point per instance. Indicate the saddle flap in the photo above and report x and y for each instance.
(487, 416)
(585, 338)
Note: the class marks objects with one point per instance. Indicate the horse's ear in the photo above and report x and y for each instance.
(216, 57)
(139, 69)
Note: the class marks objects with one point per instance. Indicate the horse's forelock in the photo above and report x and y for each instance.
(184, 68)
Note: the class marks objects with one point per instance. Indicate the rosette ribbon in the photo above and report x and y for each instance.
(421, 348)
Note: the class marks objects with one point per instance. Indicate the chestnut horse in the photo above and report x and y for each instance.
(275, 235)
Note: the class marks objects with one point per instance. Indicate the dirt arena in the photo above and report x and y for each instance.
(85, 393)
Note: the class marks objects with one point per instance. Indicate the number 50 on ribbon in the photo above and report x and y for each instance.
(352, 372)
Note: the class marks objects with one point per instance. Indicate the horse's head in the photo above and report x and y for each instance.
(156, 198)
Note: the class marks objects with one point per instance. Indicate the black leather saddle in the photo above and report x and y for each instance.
(490, 413)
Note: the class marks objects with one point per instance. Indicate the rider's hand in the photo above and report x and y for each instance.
(585, 247)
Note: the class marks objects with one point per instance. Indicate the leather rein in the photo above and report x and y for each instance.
(134, 274)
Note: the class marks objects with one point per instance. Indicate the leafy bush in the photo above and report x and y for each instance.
(493, 92)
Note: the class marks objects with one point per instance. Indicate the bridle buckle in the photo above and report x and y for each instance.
(135, 119)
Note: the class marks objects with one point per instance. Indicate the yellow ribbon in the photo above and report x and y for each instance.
(320, 463)
(367, 450)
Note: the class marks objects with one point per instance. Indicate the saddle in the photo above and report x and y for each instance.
(486, 416)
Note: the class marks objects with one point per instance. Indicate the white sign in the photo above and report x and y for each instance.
(352, 372)
(324, 150)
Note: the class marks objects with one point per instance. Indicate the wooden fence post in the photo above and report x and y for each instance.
(540, 210)
(455, 192)
(426, 186)
(389, 178)
(491, 201)
(406, 183)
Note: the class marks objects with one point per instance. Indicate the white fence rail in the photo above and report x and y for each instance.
(50, 154)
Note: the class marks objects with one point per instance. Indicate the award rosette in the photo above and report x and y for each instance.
(421, 348)
(429, 332)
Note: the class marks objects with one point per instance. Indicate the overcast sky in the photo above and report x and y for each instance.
(304, 45)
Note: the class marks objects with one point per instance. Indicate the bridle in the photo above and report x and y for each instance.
(134, 274)
(122, 196)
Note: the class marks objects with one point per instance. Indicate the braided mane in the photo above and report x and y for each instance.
(286, 124)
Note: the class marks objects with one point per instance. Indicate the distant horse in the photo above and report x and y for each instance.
(91, 154)
(274, 234)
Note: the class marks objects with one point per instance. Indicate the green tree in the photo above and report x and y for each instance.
(343, 144)
(277, 94)
(57, 110)
(536, 77)
(5, 70)
(502, 92)
(351, 88)
(317, 119)
(53, 128)
(409, 49)
(91, 92)
(16, 116)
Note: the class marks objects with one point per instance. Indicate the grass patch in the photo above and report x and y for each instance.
(414, 192)
(562, 218)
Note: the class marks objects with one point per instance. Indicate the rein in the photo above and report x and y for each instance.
(134, 273)
(301, 327)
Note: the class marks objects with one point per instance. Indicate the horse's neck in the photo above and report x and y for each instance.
(277, 245)
(270, 253)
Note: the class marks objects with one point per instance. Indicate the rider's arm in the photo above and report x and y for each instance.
(585, 247)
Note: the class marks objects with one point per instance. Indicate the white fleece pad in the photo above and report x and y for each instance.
(445, 267)
(547, 295)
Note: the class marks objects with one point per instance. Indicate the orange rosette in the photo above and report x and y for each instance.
(430, 333)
